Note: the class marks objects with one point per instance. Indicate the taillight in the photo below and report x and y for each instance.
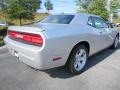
(26, 37)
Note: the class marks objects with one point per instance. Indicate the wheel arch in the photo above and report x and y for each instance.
(82, 42)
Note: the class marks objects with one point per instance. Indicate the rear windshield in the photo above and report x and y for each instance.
(58, 19)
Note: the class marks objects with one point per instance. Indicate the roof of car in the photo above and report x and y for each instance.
(77, 14)
(80, 18)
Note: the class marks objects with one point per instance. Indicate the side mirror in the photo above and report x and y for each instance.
(110, 25)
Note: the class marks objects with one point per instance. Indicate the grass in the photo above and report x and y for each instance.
(2, 27)
(117, 28)
(116, 20)
(38, 17)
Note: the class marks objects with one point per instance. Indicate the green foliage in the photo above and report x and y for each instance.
(38, 17)
(96, 7)
(22, 9)
(1, 37)
(1, 43)
(3, 7)
(48, 5)
(115, 4)
(2, 27)
(83, 5)
(3, 4)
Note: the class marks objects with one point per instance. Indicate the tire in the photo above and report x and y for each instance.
(115, 44)
(77, 60)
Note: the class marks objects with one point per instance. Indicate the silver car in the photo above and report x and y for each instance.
(3, 24)
(67, 39)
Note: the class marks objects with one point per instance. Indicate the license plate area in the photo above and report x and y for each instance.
(14, 53)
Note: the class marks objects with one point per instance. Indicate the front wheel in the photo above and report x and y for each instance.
(116, 42)
(77, 60)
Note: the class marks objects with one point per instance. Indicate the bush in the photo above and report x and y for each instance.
(1, 37)
(3, 31)
(1, 41)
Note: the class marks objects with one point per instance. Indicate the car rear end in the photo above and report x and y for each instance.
(39, 45)
(26, 43)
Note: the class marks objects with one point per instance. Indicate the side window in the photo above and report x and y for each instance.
(100, 23)
(90, 21)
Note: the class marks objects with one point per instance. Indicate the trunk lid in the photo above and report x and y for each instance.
(27, 29)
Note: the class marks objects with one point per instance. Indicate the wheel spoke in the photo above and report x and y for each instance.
(76, 64)
(79, 65)
(76, 56)
(81, 52)
(80, 59)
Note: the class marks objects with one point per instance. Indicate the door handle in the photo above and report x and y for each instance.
(101, 32)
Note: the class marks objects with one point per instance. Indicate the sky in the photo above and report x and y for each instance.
(60, 6)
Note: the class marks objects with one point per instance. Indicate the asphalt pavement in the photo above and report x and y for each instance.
(102, 73)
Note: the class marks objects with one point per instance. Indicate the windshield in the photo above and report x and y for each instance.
(58, 19)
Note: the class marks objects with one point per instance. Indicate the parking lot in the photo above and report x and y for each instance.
(102, 73)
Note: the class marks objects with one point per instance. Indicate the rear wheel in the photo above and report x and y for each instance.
(115, 44)
(77, 60)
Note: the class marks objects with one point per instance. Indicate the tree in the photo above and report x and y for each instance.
(22, 9)
(96, 7)
(2, 4)
(114, 5)
(3, 7)
(83, 5)
(48, 5)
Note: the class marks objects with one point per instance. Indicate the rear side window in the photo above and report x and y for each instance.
(100, 23)
(58, 19)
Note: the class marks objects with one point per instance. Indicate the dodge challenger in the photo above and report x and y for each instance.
(61, 40)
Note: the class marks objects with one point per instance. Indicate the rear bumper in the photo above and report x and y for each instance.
(29, 55)
(36, 57)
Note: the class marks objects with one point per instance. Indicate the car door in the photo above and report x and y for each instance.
(96, 36)
(110, 33)
(104, 32)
